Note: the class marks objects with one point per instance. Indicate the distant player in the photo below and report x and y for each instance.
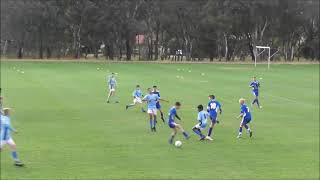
(137, 98)
(152, 100)
(255, 85)
(112, 84)
(245, 116)
(202, 118)
(213, 108)
(5, 136)
(173, 125)
(157, 92)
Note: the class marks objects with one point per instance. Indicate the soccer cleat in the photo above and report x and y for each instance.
(239, 136)
(108, 101)
(154, 129)
(18, 163)
(202, 138)
(218, 122)
(208, 138)
(250, 134)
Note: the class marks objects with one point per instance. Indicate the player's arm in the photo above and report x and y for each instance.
(12, 129)
(178, 117)
(240, 115)
(220, 110)
(161, 99)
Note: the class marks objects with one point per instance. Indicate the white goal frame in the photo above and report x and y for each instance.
(259, 53)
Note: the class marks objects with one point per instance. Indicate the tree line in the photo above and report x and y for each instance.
(224, 30)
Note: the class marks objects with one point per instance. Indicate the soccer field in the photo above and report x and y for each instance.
(68, 131)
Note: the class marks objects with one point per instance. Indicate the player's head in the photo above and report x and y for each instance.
(155, 88)
(254, 78)
(211, 97)
(112, 74)
(149, 90)
(6, 111)
(177, 105)
(200, 107)
(137, 86)
(242, 101)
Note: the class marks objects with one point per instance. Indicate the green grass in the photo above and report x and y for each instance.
(67, 131)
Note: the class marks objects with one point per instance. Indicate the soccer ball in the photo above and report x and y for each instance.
(178, 144)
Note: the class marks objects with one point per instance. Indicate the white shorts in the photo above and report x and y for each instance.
(9, 142)
(137, 100)
(201, 126)
(152, 111)
(112, 88)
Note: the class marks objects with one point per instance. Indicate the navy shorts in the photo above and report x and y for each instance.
(255, 93)
(245, 121)
(158, 105)
(172, 125)
(213, 119)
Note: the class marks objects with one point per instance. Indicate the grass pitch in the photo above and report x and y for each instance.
(67, 131)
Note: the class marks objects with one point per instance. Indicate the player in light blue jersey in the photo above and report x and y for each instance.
(137, 98)
(202, 118)
(255, 85)
(213, 108)
(152, 100)
(173, 125)
(157, 92)
(112, 84)
(245, 116)
(5, 135)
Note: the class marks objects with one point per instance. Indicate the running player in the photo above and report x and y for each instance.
(152, 100)
(6, 138)
(137, 98)
(158, 105)
(213, 107)
(173, 125)
(255, 85)
(112, 84)
(245, 116)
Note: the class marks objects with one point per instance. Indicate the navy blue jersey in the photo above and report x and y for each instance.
(172, 114)
(245, 111)
(213, 107)
(255, 85)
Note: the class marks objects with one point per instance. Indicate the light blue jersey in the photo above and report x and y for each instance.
(112, 81)
(6, 128)
(152, 100)
(137, 93)
(202, 118)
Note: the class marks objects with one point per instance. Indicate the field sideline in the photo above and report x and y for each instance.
(67, 131)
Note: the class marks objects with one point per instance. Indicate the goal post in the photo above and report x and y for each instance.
(258, 53)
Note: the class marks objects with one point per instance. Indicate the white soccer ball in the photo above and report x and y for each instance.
(178, 144)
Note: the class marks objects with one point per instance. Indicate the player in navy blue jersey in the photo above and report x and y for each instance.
(213, 108)
(173, 125)
(158, 105)
(245, 116)
(255, 85)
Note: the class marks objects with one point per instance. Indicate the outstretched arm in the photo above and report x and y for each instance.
(163, 100)
(178, 117)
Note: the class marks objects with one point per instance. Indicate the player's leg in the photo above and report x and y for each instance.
(14, 153)
(142, 109)
(196, 129)
(130, 105)
(173, 134)
(150, 119)
(212, 124)
(185, 134)
(242, 123)
(114, 96)
(161, 115)
(154, 120)
(246, 125)
(109, 95)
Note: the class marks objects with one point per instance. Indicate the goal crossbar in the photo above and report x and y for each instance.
(264, 49)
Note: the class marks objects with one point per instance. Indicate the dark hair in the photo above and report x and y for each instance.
(138, 86)
(200, 107)
(154, 86)
(212, 96)
(178, 104)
